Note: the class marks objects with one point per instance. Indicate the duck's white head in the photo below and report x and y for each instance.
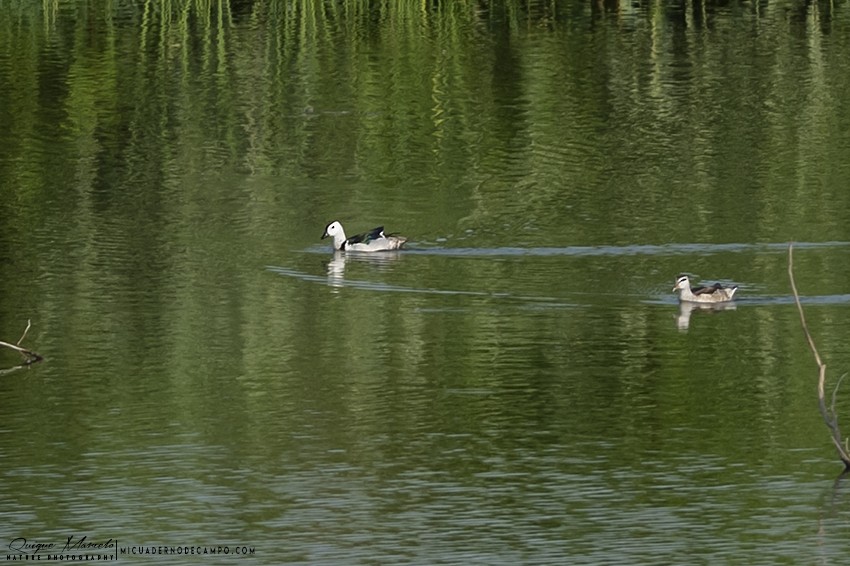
(682, 283)
(334, 230)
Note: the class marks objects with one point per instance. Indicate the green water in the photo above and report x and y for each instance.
(520, 385)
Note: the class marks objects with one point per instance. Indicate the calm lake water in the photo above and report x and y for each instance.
(520, 386)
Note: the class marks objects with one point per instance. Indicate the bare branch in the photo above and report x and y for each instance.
(828, 414)
(24, 335)
(835, 393)
(811, 341)
(29, 356)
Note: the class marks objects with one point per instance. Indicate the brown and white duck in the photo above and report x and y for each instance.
(716, 293)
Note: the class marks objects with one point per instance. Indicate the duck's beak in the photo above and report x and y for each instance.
(675, 287)
(325, 235)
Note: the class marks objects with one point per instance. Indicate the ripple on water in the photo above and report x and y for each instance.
(629, 250)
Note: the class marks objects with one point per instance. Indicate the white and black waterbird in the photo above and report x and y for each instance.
(372, 241)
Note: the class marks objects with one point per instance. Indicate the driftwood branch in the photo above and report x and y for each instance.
(830, 417)
(24, 335)
(30, 357)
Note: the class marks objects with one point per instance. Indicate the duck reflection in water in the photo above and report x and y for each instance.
(683, 321)
(336, 266)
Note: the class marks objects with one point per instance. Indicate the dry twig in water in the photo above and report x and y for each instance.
(29, 356)
(828, 414)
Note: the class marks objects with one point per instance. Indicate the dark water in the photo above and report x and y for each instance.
(520, 385)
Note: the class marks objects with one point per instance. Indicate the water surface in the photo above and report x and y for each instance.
(520, 385)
